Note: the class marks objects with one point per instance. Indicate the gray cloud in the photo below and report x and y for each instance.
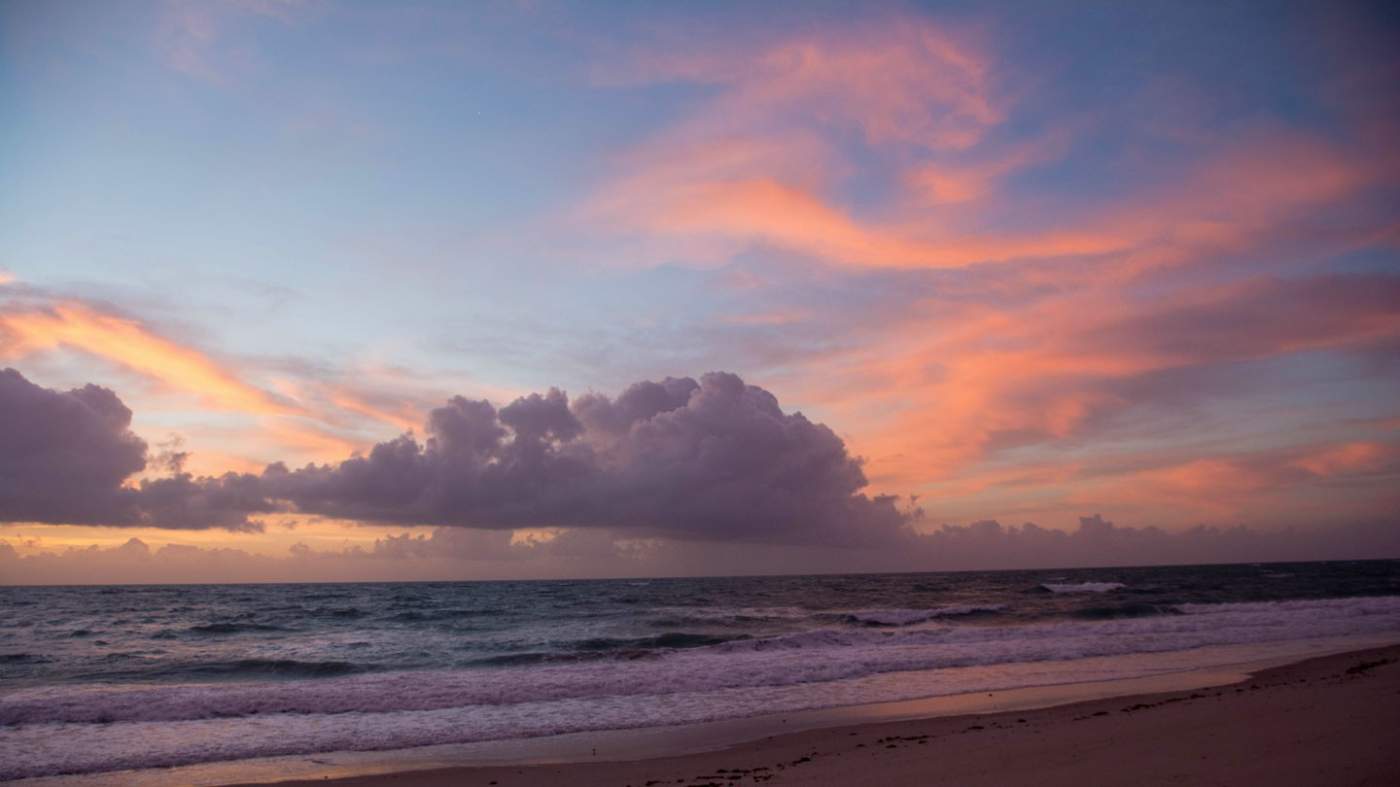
(708, 459)
(680, 476)
(1099, 542)
(449, 553)
(66, 456)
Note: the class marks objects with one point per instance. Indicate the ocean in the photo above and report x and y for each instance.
(98, 679)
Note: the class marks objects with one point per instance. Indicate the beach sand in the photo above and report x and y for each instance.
(1333, 720)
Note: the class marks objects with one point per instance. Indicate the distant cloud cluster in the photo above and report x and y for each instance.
(709, 459)
(1097, 541)
(680, 476)
(461, 553)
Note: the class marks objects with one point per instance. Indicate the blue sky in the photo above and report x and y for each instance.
(1029, 261)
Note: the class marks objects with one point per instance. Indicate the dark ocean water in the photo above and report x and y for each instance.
(100, 678)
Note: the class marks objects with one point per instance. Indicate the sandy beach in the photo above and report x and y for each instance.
(698, 394)
(1330, 720)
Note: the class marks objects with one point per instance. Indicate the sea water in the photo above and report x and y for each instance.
(96, 679)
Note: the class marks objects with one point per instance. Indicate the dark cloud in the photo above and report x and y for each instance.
(184, 501)
(715, 458)
(66, 455)
(623, 481)
(708, 459)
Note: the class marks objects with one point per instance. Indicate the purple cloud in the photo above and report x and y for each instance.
(714, 459)
(65, 454)
(464, 553)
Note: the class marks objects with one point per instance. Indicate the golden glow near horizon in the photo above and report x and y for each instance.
(1165, 292)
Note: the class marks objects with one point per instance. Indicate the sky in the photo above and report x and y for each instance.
(332, 290)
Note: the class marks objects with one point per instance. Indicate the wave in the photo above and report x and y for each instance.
(525, 659)
(434, 615)
(746, 618)
(607, 648)
(670, 640)
(322, 596)
(734, 669)
(346, 613)
(735, 621)
(1082, 587)
(285, 668)
(216, 674)
(1125, 611)
(232, 628)
(23, 658)
(907, 617)
(534, 658)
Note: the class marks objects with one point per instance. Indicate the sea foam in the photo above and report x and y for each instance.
(1082, 587)
(186, 675)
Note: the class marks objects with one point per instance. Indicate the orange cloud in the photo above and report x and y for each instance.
(310, 440)
(940, 183)
(1238, 194)
(1286, 480)
(769, 211)
(754, 165)
(128, 343)
(401, 415)
(901, 80)
(284, 423)
(762, 162)
(1347, 459)
(936, 394)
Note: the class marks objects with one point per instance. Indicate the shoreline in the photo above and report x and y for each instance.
(1325, 719)
(623, 749)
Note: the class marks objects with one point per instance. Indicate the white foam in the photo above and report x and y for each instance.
(50, 730)
(907, 617)
(1082, 587)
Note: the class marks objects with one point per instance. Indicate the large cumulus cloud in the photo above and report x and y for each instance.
(64, 454)
(66, 458)
(714, 458)
(709, 459)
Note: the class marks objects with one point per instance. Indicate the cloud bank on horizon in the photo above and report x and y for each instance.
(454, 553)
(712, 460)
(1025, 266)
(617, 486)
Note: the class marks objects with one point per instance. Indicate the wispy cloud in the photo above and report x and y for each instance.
(194, 37)
(122, 340)
(302, 411)
(1022, 324)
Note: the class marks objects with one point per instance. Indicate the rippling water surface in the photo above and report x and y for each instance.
(103, 678)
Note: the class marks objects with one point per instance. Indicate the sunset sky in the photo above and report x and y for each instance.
(1126, 271)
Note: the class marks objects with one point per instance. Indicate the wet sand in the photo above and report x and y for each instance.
(1333, 720)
